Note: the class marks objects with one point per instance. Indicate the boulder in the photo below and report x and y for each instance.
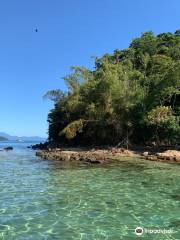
(145, 154)
(9, 148)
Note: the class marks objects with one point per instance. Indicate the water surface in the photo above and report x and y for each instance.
(44, 200)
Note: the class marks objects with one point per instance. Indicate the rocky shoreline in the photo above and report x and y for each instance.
(93, 156)
(103, 156)
(168, 156)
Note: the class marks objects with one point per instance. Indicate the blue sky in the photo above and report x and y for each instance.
(70, 33)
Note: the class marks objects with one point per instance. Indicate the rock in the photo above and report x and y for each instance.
(170, 155)
(177, 159)
(40, 146)
(145, 154)
(160, 157)
(93, 160)
(152, 158)
(8, 148)
(158, 154)
(68, 156)
(38, 154)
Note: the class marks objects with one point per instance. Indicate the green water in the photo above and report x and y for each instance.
(44, 200)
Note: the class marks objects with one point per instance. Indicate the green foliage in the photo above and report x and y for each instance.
(159, 115)
(54, 95)
(71, 130)
(133, 92)
(165, 123)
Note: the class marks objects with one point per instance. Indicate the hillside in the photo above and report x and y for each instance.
(23, 138)
(132, 96)
(3, 138)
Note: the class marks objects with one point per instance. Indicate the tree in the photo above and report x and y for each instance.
(132, 94)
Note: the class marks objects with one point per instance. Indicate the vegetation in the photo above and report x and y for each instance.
(132, 95)
(3, 138)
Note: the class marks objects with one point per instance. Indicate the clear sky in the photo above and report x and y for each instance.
(70, 33)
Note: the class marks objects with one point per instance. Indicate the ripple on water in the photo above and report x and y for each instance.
(42, 200)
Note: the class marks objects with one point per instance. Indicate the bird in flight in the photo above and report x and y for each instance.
(36, 30)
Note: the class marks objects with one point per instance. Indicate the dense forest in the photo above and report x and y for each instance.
(132, 96)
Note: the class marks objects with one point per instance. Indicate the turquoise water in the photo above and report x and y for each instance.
(45, 200)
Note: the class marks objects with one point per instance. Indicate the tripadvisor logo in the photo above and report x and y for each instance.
(139, 231)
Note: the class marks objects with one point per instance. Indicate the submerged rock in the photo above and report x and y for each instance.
(9, 148)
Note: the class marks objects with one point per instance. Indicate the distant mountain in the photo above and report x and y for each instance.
(24, 138)
(3, 138)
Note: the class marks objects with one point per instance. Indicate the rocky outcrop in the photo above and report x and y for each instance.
(102, 156)
(9, 148)
(70, 156)
(6, 149)
(168, 155)
(39, 146)
(172, 155)
(93, 156)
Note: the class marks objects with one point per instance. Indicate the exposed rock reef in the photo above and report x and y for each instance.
(168, 155)
(9, 148)
(102, 156)
(93, 156)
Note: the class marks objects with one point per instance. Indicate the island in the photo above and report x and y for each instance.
(3, 138)
(129, 103)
